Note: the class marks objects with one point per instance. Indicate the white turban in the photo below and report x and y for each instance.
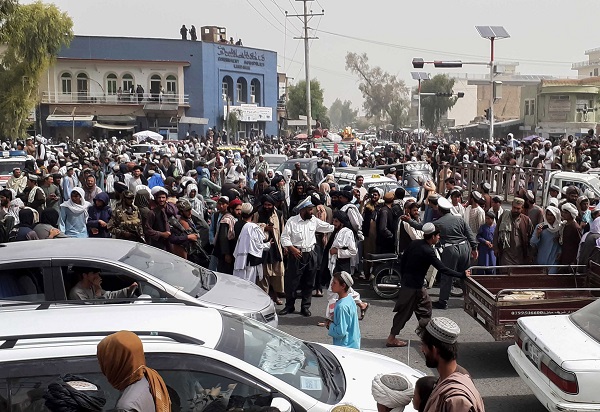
(391, 398)
(568, 207)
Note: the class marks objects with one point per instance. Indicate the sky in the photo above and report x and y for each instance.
(546, 36)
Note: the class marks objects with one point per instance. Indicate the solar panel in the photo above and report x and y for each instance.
(496, 32)
(485, 31)
(500, 32)
(419, 75)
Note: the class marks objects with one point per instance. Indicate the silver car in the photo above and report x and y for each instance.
(43, 271)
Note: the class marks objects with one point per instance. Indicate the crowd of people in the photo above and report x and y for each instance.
(299, 235)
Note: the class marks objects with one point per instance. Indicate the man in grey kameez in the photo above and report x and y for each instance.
(89, 287)
(458, 246)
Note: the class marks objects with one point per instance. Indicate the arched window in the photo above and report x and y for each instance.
(242, 90)
(82, 87)
(255, 91)
(227, 88)
(127, 83)
(111, 84)
(155, 85)
(171, 84)
(65, 83)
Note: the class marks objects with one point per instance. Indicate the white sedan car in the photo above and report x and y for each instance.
(558, 357)
(193, 348)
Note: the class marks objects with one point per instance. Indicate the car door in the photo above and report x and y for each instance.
(29, 281)
(115, 276)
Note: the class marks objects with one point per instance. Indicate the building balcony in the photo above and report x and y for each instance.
(585, 63)
(168, 100)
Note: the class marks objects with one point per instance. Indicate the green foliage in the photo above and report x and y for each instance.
(33, 34)
(233, 123)
(386, 96)
(342, 114)
(434, 107)
(296, 105)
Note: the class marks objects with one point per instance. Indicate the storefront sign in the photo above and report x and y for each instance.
(251, 113)
(240, 59)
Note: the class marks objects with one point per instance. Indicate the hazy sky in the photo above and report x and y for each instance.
(546, 36)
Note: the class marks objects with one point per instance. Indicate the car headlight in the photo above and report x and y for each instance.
(256, 316)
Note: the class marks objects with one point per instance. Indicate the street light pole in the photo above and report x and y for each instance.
(419, 114)
(491, 137)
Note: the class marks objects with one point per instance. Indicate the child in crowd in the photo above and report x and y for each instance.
(344, 328)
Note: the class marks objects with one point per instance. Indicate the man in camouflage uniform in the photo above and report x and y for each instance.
(126, 220)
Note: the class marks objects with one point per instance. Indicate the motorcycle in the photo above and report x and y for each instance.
(386, 274)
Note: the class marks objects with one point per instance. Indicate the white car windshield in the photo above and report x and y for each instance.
(588, 319)
(171, 269)
(299, 364)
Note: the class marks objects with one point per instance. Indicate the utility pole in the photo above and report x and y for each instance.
(305, 17)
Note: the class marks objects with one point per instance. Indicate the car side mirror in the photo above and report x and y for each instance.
(143, 299)
(282, 404)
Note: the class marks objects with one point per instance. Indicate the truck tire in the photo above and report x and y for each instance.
(387, 273)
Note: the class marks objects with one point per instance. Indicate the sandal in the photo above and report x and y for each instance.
(278, 302)
(363, 311)
(396, 344)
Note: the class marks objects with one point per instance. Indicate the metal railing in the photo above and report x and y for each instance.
(585, 63)
(116, 99)
(506, 181)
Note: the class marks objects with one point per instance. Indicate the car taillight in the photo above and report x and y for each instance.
(519, 336)
(566, 381)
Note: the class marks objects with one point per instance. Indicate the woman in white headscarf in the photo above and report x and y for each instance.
(74, 215)
(545, 238)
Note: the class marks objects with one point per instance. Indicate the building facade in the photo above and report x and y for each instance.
(589, 67)
(115, 86)
(560, 107)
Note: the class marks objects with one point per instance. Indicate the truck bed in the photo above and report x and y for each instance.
(497, 301)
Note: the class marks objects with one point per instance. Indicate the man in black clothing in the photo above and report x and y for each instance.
(413, 297)
(386, 239)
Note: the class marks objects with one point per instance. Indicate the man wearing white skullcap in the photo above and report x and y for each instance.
(454, 390)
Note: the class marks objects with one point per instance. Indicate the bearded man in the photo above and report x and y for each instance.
(271, 221)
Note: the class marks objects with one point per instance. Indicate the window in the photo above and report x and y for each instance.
(171, 84)
(65, 79)
(529, 107)
(255, 91)
(596, 72)
(227, 88)
(82, 87)
(127, 82)
(111, 84)
(114, 281)
(24, 284)
(242, 90)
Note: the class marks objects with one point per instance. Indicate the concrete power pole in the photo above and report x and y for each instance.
(305, 17)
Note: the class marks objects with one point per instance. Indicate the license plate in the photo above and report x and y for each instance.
(534, 353)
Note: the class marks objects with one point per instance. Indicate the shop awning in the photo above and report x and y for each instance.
(113, 126)
(57, 120)
(193, 120)
(116, 119)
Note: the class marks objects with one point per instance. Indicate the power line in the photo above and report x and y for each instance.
(398, 46)
(284, 13)
(267, 20)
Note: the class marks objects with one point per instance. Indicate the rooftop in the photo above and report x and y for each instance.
(588, 81)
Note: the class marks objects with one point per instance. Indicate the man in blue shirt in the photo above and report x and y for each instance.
(344, 328)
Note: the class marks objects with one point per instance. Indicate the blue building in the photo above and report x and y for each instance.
(105, 86)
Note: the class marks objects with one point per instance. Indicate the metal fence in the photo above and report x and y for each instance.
(506, 181)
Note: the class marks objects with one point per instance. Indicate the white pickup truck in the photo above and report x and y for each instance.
(588, 183)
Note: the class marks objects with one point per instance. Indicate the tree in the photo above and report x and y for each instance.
(33, 34)
(434, 107)
(342, 114)
(296, 105)
(386, 96)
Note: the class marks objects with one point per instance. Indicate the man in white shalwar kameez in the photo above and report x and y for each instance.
(249, 248)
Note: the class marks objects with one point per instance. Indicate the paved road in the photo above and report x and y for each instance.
(486, 360)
